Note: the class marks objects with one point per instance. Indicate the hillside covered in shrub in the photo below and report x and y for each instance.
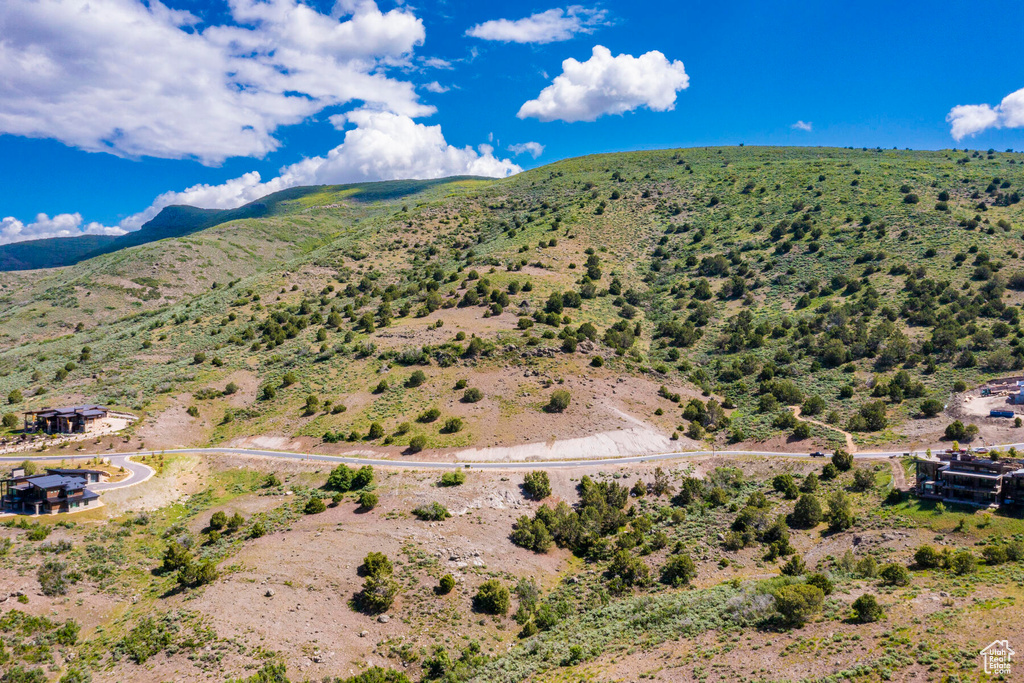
(728, 284)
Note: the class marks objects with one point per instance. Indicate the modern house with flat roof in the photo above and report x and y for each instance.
(65, 420)
(965, 478)
(91, 476)
(45, 494)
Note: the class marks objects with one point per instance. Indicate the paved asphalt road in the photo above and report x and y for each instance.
(526, 464)
(530, 464)
(122, 458)
(140, 472)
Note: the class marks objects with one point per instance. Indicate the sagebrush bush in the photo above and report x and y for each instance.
(431, 512)
(559, 401)
(454, 478)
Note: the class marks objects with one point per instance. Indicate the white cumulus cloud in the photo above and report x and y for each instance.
(970, 119)
(608, 85)
(61, 225)
(387, 146)
(139, 79)
(436, 87)
(381, 146)
(802, 125)
(436, 63)
(534, 149)
(544, 27)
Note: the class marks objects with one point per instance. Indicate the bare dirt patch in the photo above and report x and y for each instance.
(173, 426)
(609, 415)
(311, 570)
(972, 408)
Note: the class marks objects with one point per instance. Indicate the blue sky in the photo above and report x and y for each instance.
(108, 115)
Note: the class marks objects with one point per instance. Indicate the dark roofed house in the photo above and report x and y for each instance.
(91, 476)
(65, 420)
(46, 494)
(965, 478)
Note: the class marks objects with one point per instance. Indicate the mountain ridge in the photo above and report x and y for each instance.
(181, 220)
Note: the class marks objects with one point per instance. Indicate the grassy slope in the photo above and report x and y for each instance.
(181, 221)
(651, 218)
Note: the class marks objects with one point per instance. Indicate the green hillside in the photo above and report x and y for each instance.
(180, 221)
(861, 285)
(53, 252)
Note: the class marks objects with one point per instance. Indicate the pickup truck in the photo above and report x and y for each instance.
(817, 454)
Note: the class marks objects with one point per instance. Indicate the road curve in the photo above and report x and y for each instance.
(137, 472)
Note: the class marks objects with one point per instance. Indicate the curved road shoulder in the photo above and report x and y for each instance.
(137, 472)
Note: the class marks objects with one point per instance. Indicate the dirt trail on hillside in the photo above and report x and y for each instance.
(851, 447)
(899, 476)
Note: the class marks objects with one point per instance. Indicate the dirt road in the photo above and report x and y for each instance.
(899, 476)
(851, 447)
